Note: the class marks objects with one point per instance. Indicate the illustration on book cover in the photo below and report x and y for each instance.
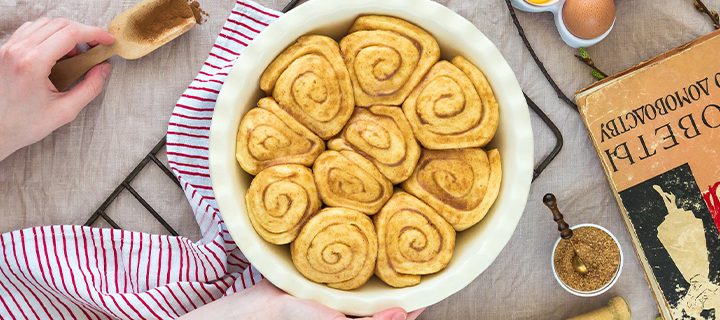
(680, 241)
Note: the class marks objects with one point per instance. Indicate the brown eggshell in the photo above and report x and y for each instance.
(588, 19)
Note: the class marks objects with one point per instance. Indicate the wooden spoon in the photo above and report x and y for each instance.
(138, 31)
(565, 232)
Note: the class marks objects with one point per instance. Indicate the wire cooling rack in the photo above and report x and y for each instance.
(152, 157)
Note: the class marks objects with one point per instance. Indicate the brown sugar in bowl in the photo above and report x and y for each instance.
(605, 268)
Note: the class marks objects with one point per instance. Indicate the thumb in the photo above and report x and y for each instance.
(389, 314)
(87, 89)
(413, 315)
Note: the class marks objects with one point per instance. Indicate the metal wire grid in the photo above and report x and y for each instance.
(126, 185)
(151, 157)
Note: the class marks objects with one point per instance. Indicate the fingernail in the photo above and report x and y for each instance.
(399, 316)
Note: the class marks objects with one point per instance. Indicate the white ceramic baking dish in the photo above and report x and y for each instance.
(476, 247)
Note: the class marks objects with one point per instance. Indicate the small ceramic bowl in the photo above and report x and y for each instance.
(594, 292)
(555, 7)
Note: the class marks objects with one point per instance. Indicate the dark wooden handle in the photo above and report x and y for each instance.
(565, 231)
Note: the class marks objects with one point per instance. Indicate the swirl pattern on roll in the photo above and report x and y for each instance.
(382, 135)
(346, 179)
(453, 107)
(413, 240)
(337, 247)
(310, 81)
(280, 200)
(460, 184)
(269, 136)
(386, 58)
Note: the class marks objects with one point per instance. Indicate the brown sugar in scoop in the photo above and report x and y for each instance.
(161, 18)
(138, 31)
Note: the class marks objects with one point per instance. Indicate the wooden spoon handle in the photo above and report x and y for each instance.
(565, 231)
(68, 71)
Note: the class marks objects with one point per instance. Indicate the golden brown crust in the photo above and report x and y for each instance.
(413, 240)
(337, 247)
(382, 135)
(376, 98)
(460, 184)
(269, 136)
(346, 179)
(386, 58)
(280, 200)
(310, 81)
(453, 107)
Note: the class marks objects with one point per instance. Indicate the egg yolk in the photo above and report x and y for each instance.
(538, 1)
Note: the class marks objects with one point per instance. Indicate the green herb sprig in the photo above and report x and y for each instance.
(584, 57)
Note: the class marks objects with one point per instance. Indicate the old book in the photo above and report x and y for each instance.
(656, 129)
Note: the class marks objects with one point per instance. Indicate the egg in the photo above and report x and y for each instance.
(588, 19)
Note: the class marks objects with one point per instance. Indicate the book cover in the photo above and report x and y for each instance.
(656, 129)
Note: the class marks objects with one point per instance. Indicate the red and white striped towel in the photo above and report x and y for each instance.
(70, 272)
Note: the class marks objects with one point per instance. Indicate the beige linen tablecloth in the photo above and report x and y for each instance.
(63, 178)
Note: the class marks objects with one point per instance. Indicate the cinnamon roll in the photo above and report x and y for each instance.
(453, 107)
(280, 200)
(413, 240)
(268, 136)
(386, 58)
(337, 247)
(382, 135)
(309, 80)
(460, 184)
(346, 179)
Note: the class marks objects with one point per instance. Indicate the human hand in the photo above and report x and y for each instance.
(30, 106)
(265, 301)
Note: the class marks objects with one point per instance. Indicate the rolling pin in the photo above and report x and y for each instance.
(616, 309)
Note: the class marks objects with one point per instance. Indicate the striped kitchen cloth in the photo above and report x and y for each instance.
(71, 272)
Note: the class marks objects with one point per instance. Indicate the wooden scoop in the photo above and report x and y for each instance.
(138, 31)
